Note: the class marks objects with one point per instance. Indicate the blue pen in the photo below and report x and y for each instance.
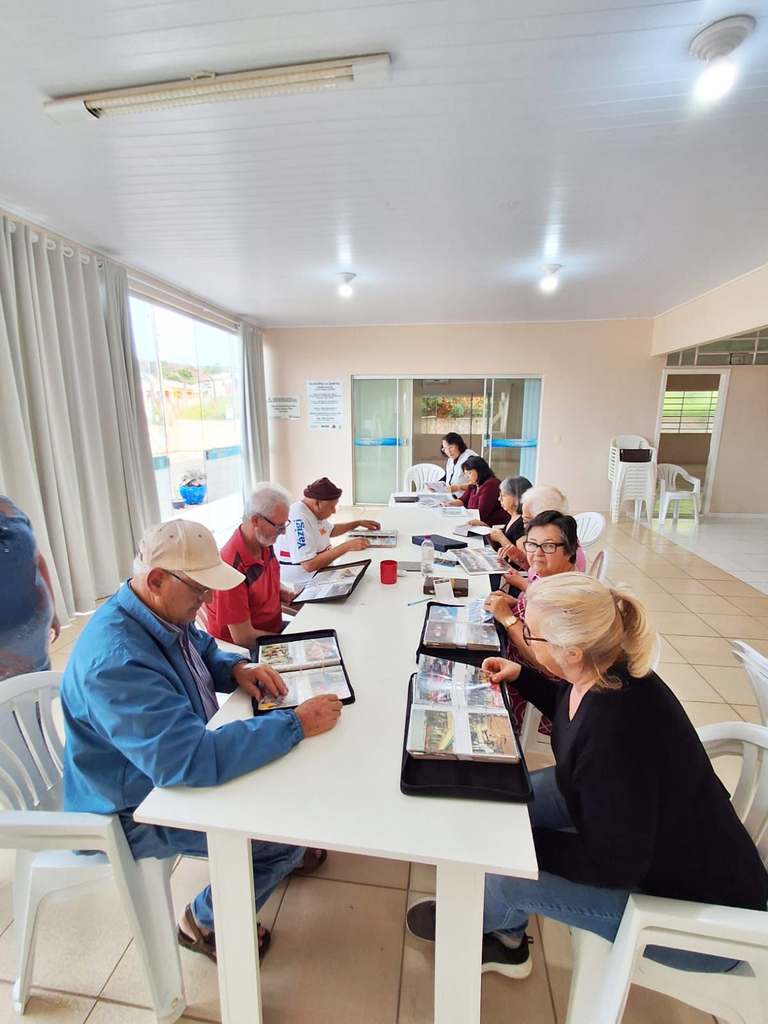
(422, 601)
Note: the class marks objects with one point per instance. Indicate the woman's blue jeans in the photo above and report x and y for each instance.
(509, 901)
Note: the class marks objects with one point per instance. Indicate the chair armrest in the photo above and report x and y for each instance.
(687, 476)
(56, 830)
(679, 917)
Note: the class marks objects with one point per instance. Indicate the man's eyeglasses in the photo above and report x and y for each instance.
(280, 527)
(203, 592)
(532, 639)
(549, 547)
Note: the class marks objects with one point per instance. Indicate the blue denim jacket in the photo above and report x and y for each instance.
(134, 719)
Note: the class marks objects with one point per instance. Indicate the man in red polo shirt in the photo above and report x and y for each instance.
(255, 606)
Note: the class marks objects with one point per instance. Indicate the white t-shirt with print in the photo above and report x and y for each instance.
(306, 537)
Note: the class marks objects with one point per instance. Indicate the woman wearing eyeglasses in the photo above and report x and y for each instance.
(632, 803)
(457, 453)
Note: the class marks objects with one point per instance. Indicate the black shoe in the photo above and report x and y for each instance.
(514, 963)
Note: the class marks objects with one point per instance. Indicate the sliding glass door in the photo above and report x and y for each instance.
(381, 413)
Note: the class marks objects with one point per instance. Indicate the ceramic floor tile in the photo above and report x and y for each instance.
(668, 654)
(347, 867)
(116, 1013)
(78, 943)
(749, 712)
(321, 926)
(423, 878)
(664, 571)
(735, 588)
(7, 867)
(742, 626)
(703, 650)
(681, 624)
(751, 605)
(708, 604)
(45, 1007)
(708, 572)
(664, 602)
(686, 586)
(529, 998)
(761, 646)
(59, 661)
(686, 683)
(732, 684)
(708, 714)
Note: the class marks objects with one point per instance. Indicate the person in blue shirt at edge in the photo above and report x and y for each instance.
(137, 693)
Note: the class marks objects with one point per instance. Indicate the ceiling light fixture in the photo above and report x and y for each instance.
(345, 288)
(208, 87)
(550, 281)
(713, 45)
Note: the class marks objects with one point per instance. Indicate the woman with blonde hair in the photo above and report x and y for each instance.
(632, 804)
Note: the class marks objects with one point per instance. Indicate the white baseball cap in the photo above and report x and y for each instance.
(190, 548)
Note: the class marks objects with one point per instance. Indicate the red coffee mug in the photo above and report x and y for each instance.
(388, 571)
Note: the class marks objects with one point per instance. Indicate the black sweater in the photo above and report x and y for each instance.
(649, 810)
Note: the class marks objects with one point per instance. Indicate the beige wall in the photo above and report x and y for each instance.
(599, 380)
(739, 306)
(741, 476)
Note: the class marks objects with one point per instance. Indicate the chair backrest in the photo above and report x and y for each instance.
(590, 527)
(31, 753)
(750, 798)
(755, 665)
(599, 568)
(629, 441)
(420, 474)
(668, 473)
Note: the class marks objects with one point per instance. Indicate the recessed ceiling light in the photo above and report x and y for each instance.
(550, 281)
(713, 45)
(345, 288)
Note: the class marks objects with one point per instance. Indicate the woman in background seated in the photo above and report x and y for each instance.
(457, 454)
(633, 804)
(544, 499)
(511, 491)
(482, 493)
(27, 611)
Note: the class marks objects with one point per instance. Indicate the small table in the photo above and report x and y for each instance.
(341, 791)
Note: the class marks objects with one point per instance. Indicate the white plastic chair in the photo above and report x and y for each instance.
(599, 568)
(590, 527)
(45, 836)
(604, 971)
(756, 667)
(631, 481)
(420, 475)
(668, 475)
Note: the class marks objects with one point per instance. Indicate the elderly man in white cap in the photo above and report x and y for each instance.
(137, 693)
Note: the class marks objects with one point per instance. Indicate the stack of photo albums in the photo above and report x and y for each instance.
(456, 713)
(309, 668)
(456, 626)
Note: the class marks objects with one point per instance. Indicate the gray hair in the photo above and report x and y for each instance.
(545, 499)
(264, 499)
(515, 486)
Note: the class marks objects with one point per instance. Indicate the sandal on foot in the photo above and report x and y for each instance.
(206, 944)
(312, 861)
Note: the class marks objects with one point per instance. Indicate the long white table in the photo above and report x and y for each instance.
(341, 791)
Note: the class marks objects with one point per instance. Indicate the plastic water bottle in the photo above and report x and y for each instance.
(427, 556)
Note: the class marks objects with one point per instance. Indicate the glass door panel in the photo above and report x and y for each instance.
(376, 413)
(512, 426)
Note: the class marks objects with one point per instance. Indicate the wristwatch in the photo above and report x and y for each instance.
(510, 622)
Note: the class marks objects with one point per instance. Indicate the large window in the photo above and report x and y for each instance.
(689, 412)
(190, 372)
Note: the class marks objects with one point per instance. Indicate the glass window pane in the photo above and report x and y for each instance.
(688, 357)
(673, 359)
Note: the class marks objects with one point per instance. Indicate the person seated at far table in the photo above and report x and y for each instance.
(534, 501)
(633, 803)
(482, 493)
(457, 453)
(306, 546)
(256, 605)
(137, 693)
(511, 491)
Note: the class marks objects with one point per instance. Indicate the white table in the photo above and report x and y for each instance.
(343, 794)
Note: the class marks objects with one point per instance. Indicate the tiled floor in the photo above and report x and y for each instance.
(340, 952)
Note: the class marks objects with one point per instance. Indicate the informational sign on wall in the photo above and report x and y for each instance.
(284, 407)
(325, 403)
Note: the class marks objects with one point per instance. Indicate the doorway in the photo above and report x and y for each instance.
(689, 424)
(400, 421)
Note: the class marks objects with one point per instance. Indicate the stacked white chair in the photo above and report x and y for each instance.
(590, 527)
(604, 971)
(420, 475)
(631, 481)
(756, 667)
(668, 475)
(45, 838)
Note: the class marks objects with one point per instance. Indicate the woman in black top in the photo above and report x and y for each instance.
(632, 804)
(510, 492)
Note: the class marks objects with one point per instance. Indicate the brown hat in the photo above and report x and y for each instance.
(322, 490)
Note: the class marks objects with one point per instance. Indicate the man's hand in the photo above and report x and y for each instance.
(357, 544)
(368, 524)
(55, 627)
(258, 679)
(499, 605)
(319, 714)
(500, 670)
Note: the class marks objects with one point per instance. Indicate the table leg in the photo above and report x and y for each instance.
(237, 943)
(458, 943)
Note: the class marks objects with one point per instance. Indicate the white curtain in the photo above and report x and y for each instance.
(74, 452)
(255, 439)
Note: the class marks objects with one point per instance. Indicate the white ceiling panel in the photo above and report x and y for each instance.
(513, 133)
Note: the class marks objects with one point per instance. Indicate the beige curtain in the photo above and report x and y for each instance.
(74, 450)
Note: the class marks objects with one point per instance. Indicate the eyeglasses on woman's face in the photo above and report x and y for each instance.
(549, 547)
(532, 639)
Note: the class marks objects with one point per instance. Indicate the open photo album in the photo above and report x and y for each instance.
(457, 714)
(309, 667)
(378, 538)
(461, 626)
(332, 583)
(480, 561)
